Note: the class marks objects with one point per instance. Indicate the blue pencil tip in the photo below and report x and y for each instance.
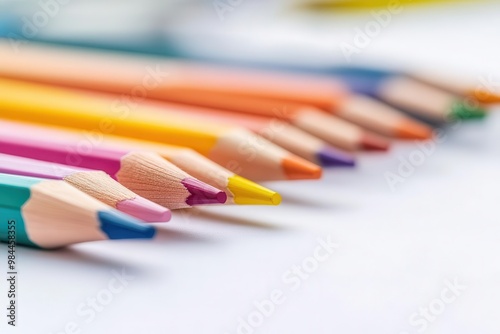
(120, 226)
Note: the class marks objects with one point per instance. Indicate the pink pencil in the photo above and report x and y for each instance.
(145, 173)
(95, 183)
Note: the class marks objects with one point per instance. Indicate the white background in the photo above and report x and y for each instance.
(395, 248)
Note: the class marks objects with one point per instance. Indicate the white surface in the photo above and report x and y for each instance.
(395, 249)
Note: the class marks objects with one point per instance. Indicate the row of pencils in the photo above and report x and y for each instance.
(94, 145)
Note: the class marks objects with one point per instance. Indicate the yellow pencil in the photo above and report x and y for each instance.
(234, 148)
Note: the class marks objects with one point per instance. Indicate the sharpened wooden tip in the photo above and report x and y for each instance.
(158, 180)
(101, 186)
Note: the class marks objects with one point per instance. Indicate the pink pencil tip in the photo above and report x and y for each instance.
(202, 193)
(145, 210)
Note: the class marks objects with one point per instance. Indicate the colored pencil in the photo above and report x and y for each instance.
(238, 189)
(282, 134)
(52, 214)
(425, 102)
(234, 148)
(254, 91)
(94, 183)
(118, 73)
(333, 130)
(145, 173)
(480, 89)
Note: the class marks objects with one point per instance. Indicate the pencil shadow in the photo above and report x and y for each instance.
(237, 220)
(302, 201)
(167, 234)
(295, 200)
(71, 254)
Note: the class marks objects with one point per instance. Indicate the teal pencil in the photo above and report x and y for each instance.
(51, 213)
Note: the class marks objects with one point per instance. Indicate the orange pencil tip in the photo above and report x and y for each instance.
(412, 130)
(299, 169)
(486, 96)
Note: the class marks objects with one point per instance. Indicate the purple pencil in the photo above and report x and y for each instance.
(94, 183)
(145, 173)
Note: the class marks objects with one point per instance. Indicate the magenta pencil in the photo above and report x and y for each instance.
(95, 183)
(145, 173)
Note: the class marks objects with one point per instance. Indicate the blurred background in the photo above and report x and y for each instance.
(213, 269)
(407, 32)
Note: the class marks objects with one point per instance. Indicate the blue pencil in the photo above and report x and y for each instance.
(51, 213)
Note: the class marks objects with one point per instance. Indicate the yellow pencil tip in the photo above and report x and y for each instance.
(276, 198)
(246, 192)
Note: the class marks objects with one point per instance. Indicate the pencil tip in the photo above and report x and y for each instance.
(202, 193)
(117, 225)
(276, 199)
(144, 209)
(330, 157)
(461, 110)
(251, 193)
(485, 96)
(299, 169)
(409, 129)
(371, 142)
